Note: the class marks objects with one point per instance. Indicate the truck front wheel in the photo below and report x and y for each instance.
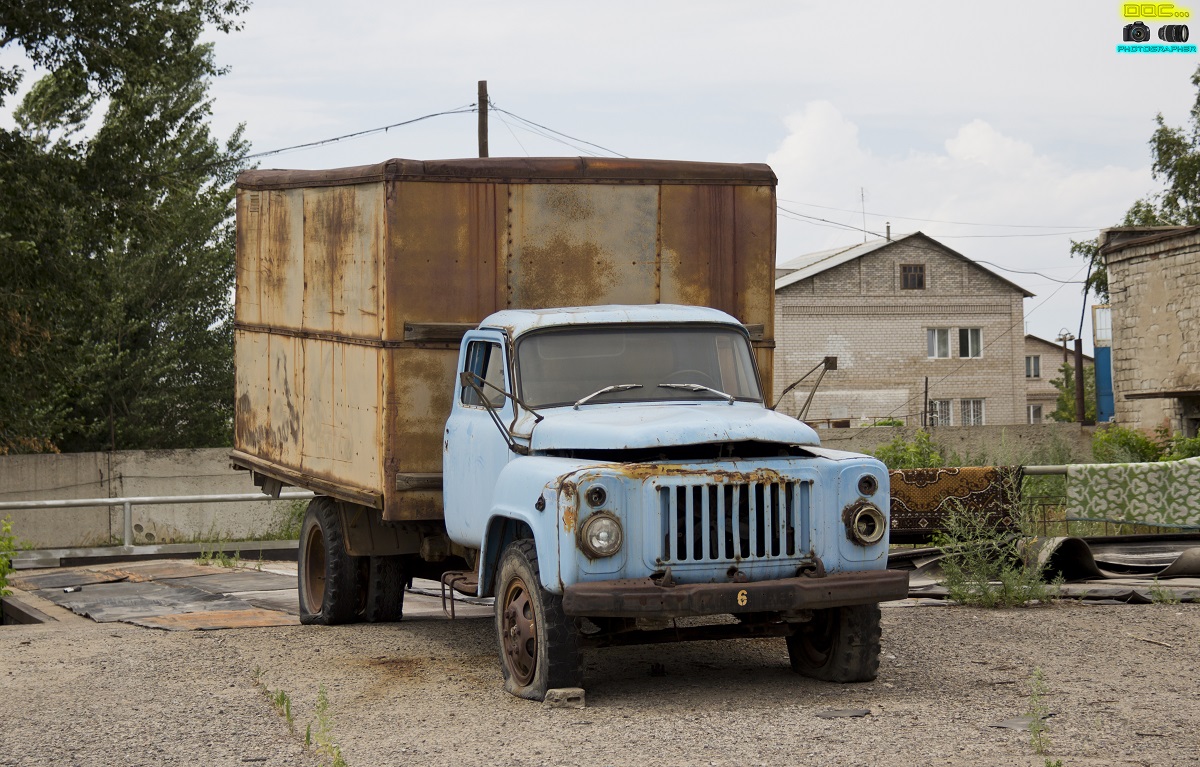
(839, 644)
(539, 644)
(328, 575)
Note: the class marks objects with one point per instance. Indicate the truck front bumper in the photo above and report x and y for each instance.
(644, 598)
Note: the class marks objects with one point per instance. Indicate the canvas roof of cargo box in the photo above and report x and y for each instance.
(533, 169)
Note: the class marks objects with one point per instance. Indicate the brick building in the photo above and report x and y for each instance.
(1154, 289)
(1043, 363)
(895, 312)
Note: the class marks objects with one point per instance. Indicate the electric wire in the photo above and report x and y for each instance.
(492, 106)
(942, 221)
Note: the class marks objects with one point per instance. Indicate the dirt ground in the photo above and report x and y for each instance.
(1122, 684)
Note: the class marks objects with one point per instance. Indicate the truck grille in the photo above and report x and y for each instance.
(734, 521)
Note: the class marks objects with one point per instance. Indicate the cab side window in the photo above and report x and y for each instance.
(485, 360)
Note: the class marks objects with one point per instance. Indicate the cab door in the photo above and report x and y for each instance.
(475, 450)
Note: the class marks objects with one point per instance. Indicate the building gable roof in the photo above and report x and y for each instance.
(811, 264)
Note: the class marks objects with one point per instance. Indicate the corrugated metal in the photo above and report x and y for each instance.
(332, 265)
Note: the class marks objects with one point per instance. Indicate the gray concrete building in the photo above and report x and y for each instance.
(1154, 289)
(897, 313)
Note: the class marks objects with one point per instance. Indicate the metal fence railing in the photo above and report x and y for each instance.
(146, 500)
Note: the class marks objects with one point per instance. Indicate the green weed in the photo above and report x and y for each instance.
(1161, 595)
(322, 737)
(1039, 738)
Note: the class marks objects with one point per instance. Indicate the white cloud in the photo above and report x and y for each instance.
(981, 175)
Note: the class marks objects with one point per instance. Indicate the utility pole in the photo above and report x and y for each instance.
(483, 115)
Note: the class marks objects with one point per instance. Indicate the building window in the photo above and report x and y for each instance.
(938, 341)
(972, 412)
(912, 276)
(1035, 412)
(970, 342)
(939, 412)
(1033, 367)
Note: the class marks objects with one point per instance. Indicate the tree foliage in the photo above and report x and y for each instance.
(1175, 154)
(116, 241)
(1064, 410)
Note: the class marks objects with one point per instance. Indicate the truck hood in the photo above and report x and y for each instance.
(616, 427)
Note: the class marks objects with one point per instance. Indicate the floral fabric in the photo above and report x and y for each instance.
(1166, 493)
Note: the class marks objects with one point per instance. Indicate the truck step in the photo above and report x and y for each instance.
(465, 583)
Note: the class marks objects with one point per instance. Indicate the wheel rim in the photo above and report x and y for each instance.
(817, 638)
(518, 629)
(314, 568)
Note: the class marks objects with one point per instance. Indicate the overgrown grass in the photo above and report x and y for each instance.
(289, 519)
(8, 547)
(318, 735)
(212, 554)
(1161, 595)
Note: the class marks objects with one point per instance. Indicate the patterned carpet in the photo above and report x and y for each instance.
(922, 498)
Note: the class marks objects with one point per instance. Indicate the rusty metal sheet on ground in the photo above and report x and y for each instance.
(123, 601)
(159, 569)
(232, 581)
(211, 620)
(60, 579)
(283, 600)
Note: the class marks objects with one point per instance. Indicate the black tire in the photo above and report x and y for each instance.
(327, 574)
(839, 644)
(539, 644)
(384, 589)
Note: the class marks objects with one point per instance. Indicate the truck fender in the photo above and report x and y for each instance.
(504, 527)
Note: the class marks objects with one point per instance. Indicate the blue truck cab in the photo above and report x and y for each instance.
(617, 470)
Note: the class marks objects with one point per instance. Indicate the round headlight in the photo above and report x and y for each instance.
(600, 536)
(867, 484)
(596, 496)
(867, 525)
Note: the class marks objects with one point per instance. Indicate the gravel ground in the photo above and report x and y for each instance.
(1123, 683)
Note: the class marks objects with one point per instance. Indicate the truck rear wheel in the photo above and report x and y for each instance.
(539, 644)
(384, 589)
(328, 575)
(839, 644)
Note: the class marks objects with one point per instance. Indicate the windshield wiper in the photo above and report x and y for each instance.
(698, 387)
(606, 390)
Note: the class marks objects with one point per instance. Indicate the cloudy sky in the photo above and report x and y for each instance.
(1002, 129)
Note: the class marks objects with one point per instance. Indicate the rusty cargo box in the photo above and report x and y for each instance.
(354, 286)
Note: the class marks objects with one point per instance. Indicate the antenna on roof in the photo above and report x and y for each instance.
(862, 198)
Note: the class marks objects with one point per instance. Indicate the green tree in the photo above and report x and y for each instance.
(1065, 383)
(1175, 154)
(116, 242)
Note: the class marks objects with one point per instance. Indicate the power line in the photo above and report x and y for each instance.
(492, 107)
(942, 221)
(468, 108)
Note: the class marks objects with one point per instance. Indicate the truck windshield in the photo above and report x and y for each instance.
(563, 365)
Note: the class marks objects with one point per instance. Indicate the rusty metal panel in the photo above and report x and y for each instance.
(270, 258)
(343, 243)
(421, 384)
(341, 413)
(718, 250)
(441, 264)
(582, 244)
(252, 421)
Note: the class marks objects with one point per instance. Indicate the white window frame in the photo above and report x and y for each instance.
(937, 340)
(940, 413)
(974, 346)
(1034, 412)
(972, 416)
(1033, 366)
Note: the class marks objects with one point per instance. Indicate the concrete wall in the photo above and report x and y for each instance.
(1024, 444)
(132, 473)
(858, 312)
(1155, 287)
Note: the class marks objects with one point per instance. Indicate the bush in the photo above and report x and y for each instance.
(1120, 444)
(986, 567)
(921, 452)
